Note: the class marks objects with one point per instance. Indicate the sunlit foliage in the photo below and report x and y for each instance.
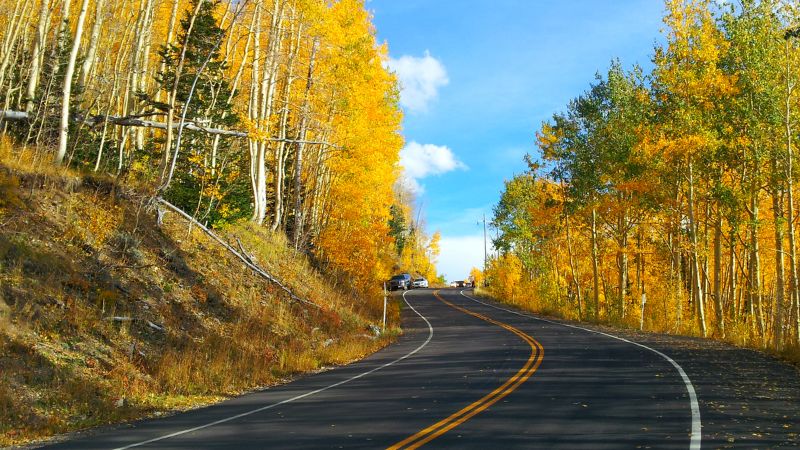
(666, 200)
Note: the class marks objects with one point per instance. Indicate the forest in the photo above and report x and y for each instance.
(278, 112)
(664, 199)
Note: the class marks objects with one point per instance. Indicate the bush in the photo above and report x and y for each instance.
(9, 192)
(126, 245)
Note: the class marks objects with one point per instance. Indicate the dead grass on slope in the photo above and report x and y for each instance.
(106, 317)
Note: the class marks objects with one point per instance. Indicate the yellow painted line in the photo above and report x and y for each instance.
(443, 426)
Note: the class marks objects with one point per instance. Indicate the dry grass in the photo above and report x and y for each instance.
(28, 160)
(105, 317)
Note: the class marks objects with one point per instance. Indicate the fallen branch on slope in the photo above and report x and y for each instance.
(243, 256)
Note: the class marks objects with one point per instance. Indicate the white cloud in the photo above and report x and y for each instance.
(420, 80)
(459, 254)
(423, 160)
(411, 185)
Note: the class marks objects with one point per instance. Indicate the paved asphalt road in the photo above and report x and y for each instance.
(473, 374)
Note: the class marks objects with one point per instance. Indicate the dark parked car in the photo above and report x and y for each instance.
(402, 281)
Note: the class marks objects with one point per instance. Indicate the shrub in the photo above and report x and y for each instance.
(126, 245)
(9, 192)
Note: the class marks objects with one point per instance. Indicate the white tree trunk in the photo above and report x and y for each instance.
(173, 93)
(62, 29)
(15, 25)
(173, 15)
(697, 276)
(263, 112)
(91, 53)
(298, 160)
(37, 54)
(280, 150)
(65, 99)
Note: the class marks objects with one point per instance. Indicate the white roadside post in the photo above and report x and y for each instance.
(641, 320)
(384, 306)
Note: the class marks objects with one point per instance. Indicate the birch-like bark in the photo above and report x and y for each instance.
(573, 269)
(94, 37)
(280, 149)
(622, 261)
(265, 104)
(63, 28)
(718, 274)
(252, 109)
(65, 99)
(794, 285)
(234, 87)
(114, 90)
(756, 311)
(733, 294)
(780, 288)
(298, 160)
(173, 15)
(15, 93)
(139, 63)
(37, 54)
(173, 94)
(181, 124)
(697, 276)
(15, 26)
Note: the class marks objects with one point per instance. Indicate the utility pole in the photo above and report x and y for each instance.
(414, 230)
(485, 255)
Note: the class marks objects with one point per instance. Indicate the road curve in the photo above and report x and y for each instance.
(467, 373)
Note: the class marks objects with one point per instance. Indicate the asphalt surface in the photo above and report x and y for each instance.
(474, 374)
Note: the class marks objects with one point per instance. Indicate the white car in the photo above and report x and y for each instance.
(420, 283)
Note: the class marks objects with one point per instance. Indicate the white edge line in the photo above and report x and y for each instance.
(298, 397)
(696, 436)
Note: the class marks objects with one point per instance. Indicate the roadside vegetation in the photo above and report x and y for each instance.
(105, 316)
(666, 200)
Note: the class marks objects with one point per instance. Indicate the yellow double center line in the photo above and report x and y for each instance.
(443, 426)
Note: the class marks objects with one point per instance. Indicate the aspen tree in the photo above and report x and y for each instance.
(94, 37)
(790, 98)
(37, 55)
(252, 110)
(280, 149)
(298, 162)
(67, 97)
(10, 40)
(61, 36)
(171, 97)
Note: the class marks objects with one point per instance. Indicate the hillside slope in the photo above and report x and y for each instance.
(104, 316)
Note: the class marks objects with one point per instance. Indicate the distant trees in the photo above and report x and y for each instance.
(416, 251)
(678, 184)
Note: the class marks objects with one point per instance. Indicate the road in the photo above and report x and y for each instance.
(470, 373)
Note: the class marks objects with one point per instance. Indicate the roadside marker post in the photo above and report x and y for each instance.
(641, 319)
(384, 306)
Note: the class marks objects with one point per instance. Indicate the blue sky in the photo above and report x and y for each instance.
(479, 77)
